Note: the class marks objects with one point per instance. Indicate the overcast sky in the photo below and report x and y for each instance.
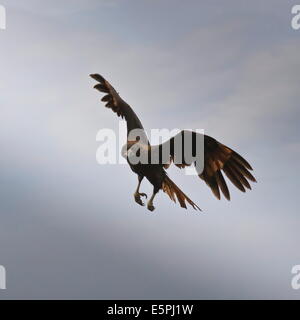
(69, 227)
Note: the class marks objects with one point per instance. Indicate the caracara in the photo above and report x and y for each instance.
(217, 158)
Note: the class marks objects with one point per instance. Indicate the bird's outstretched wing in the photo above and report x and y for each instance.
(116, 103)
(218, 158)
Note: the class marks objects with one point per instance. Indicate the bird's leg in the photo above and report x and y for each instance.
(150, 202)
(137, 194)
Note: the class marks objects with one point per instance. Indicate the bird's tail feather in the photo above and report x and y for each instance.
(171, 189)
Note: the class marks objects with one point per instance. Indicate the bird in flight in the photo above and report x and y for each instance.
(217, 158)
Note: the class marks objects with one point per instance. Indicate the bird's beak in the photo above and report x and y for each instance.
(124, 151)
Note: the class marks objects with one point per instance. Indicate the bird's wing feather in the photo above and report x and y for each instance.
(116, 103)
(218, 159)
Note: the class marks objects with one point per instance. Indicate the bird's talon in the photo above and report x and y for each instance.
(144, 195)
(150, 207)
(137, 198)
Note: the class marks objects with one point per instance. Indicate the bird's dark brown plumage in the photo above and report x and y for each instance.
(218, 158)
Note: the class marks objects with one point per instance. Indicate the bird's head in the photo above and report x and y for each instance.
(124, 151)
(129, 149)
(133, 149)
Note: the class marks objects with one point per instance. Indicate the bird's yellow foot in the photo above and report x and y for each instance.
(137, 198)
(150, 206)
